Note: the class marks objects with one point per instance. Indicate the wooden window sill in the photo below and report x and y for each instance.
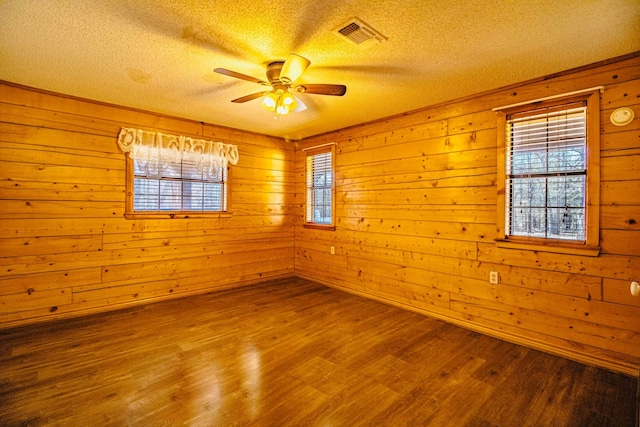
(176, 215)
(319, 226)
(551, 246)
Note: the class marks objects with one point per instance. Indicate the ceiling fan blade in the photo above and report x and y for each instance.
(249, 97)
(293, 68)
(300, 107)
(322, 89)
(240, 76)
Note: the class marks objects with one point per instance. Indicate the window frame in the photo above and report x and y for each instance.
(130, 213)
(591, 245)
(309, 152)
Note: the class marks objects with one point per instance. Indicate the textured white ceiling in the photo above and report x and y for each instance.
(160, 55)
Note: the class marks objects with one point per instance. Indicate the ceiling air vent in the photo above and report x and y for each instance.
(356, 31)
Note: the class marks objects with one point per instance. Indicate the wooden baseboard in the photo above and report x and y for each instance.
(615, 365)
(638, 403)
(105, 308)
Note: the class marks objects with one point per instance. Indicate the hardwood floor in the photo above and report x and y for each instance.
(291, 352)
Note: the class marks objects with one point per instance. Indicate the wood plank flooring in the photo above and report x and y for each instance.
(291, 352)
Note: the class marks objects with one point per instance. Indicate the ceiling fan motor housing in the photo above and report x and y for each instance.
(273, 73)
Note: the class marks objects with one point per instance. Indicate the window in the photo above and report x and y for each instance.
(175, 176)
(549, 173)
(180, 186)
(320, 187)
(546, 173)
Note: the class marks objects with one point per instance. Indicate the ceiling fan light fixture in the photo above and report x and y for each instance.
(289, 102)
(282, 110)
(270, 101)
(280, 102)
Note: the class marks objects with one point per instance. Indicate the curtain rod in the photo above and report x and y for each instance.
(562, 95)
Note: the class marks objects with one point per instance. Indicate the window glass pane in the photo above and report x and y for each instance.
(546, 174)
(553, 142)
(564, 199)
(214, 197)
(147, 193)
(192, 195)
(565, 223)
(566, 191)
(317, 203)
(170, 195)
(190, 171)
(322, 205)
(172, 170)
(150, 168)
(179, 187)
(139, 167)
(528, 192)
(525, 161)
(567, 159)
(528, 222)
(319, 188)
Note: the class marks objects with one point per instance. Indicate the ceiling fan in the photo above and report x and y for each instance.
(281, 76)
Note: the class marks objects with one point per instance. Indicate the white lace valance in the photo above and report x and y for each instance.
(156, 151)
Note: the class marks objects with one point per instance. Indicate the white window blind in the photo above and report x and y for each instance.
(181, 186)
(176, 173)
(319, 188)
(546, 173)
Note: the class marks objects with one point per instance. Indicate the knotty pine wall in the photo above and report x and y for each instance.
(65, 246)
(416, 222)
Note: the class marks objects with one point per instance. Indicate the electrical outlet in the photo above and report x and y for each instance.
(333, 250)
(493, 277)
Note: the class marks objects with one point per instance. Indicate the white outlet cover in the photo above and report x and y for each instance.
(493, 277)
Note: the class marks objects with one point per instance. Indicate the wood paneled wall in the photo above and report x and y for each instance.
(65, 246)
(416, 223)
(416, 212)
